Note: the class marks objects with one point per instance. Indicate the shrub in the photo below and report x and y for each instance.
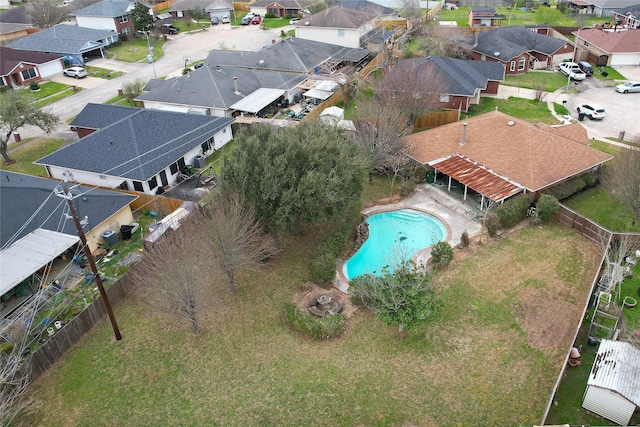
(312, 326)
(513, 210)
(492, 223)
(547, 207)
(590, 180)
(569, 188)
(464, 239)
(186, 71)
(34, 86)
(323, 267)
(442, 254)
(269, 15)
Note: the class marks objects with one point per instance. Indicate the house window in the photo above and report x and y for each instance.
(444, 98)
(521, 62)
(137, 185)
(483, 57)
(273, 11)
(174, 168)
(125, 31)
(122, 19)
(181, 163)
(153, 183)
(340, 32)
(513, 66)
(28, 74)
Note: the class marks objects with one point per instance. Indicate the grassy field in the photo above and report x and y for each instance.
(135, 50)
(496, 346)
(598, 205)
(516, 17)
(526, 109)
(537, 80)
(26, 152)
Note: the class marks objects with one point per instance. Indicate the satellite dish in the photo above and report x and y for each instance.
(496, 53)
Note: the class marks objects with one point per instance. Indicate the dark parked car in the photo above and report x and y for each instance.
(586, 67)
(198, 65)
(170, 29)
(245, 20)
(215, 20)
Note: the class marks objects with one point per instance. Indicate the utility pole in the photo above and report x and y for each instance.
(66, 193)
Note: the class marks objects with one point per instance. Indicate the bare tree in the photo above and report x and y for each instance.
(174, 277)
(15, 376)
(622, 177)
(413, 85)
(132, 89)
(235, 237)
(380, 132)
(47, 13)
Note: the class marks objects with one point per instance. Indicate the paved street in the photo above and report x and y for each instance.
(196, 45)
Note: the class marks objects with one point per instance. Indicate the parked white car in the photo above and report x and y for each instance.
(77, 72)
(628, 87)
(593, 111)
(572, 70)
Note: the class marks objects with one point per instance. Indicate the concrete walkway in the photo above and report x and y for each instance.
(433, 199)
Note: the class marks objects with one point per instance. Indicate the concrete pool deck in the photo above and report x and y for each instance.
(432, 199)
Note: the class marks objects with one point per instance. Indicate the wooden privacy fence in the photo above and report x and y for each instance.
(439, 118)
(329, 102)
(55, 346)
(152, 202)
(582, 225)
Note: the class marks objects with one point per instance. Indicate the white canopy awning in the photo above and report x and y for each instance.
(30, 254)
(257, 100)
(319, 94)
(326, 85)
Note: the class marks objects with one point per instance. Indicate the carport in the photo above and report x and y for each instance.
(485, 182)
(258, 100)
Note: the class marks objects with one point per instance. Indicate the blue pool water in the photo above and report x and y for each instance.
(405, 231)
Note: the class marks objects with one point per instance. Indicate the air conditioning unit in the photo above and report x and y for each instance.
(198, 162)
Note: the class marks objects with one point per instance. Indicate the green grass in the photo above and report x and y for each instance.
(136, 50)
(612, 74)
(605, 147)
(598, 205)
(526, 109)
(272, 23)
(537, 80)
(102, 73)
(25, 154)
(560, 109)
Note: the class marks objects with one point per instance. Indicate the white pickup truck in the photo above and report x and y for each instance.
(572, 70)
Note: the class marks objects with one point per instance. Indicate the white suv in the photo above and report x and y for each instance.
(591, 110)
(572, 70)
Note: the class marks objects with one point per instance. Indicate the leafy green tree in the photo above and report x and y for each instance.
(141, 19)
(442, 254)
(197, 14)
(132, 89)
(547, 207)
(16, 111)
(622, 178)
(298, 173)
(403, 297)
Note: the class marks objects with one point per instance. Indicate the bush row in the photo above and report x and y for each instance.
(312, 326)
(572, 186)
(513, 210)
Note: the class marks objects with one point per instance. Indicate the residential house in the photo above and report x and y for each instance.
(462, 82)
(18, 15)
(629, 17)
(222, 91)
(73, 43)
(10, 31)
(114, 15)
(21, 67)
(613, 386)
(494, 156)
(520, 49)
(601, 8)
(484, 17)
(279, 8)
(336, 25)
(607, 47)
(385, 13)
(144, 151)
(295, 55)
(212, 8)
(36, 227)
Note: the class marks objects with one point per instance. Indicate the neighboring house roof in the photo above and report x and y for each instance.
(63, 38)
(462, 77)
(366, 6)
(521, 153)
(92, 117)
(612, 42)
(630, 10)
(11, 27)
(184, 5)
(17, 15)
(292, 54)
(483, 10)
(10, 59)
(287, 4)
(139, 146)
(505, 43)
(214, 87)
(609, 4)
(616, 368)
(106, 9)
(25, 195)
(337, 17)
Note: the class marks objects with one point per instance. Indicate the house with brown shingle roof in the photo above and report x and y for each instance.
(607, 47)
(21, 67)
(497, 156)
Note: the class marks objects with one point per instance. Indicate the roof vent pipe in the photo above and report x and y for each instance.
(464, 134)
(235, 84)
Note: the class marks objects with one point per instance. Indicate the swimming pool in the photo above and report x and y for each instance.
(405, 230)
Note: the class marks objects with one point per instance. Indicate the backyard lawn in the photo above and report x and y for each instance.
(537, 80)
(601, 207)
(526, 109)
(509, 309)
(28, 151)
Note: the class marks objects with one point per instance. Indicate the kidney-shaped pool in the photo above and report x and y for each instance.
(405, 231)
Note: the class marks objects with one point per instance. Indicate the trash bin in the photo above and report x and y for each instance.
(110, 237)
(581, 116)
(126, 231)
(431, 176)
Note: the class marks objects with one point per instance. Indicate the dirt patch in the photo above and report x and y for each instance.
(397, 198)
(311, 292)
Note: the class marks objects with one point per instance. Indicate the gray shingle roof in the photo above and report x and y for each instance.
(183, 5)
(22, 195)
(63, 38)
(633, 10)
(11, 27)
(138, 146)
(287, 4)
(290, 54)
(338, 17)
(462, 77)
(211, 87)
(366, 6)
(510, 42)
(106, 8)
(17, 15)
(93, 116)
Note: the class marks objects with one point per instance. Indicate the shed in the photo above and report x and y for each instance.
(613, 388)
